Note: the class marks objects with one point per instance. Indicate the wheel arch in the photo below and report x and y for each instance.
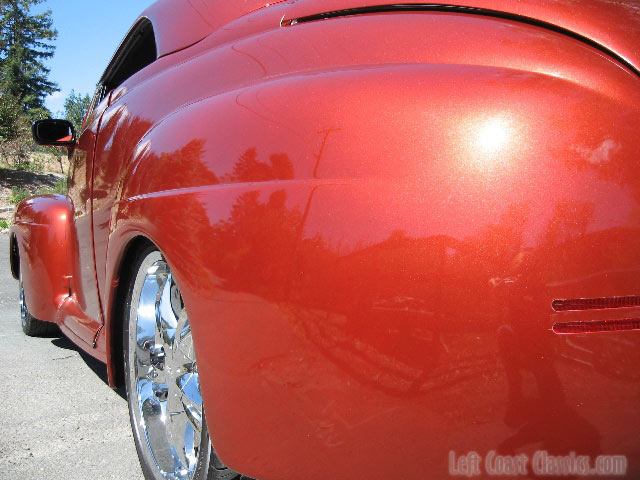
(14, 256)
(117, 306)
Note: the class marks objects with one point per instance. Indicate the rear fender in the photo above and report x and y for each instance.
(273, 208)
(39, 252)
(353, 233)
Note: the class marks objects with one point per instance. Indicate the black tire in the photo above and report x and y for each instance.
(208, 465)
(31, 326)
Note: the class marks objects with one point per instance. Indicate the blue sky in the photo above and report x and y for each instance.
(89, 31)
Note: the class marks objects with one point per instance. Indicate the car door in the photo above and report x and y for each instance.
(120, 131)
(83, 284)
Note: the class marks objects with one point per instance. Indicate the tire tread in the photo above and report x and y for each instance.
(38, 328)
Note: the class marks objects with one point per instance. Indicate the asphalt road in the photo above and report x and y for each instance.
(59, 419)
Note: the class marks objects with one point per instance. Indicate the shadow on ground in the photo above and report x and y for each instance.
(96, 366)
(23, 178)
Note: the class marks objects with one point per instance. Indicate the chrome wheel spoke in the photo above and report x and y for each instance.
(181, 440)
(191, 398)
(144, 367)
(23, 306)
(166, 318)
(187, 381)
(183, 355)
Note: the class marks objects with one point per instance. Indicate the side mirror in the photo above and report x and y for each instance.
(53, 132)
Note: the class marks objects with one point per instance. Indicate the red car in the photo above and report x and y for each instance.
(401, 240)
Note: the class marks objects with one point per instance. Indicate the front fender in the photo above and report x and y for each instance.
(39, 240)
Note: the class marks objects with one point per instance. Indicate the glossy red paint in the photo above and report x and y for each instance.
(176, 25)
(41, 229)
(612, 24)
(370, 218)
(87, 318)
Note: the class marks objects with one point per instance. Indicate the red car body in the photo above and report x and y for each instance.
(371, 212)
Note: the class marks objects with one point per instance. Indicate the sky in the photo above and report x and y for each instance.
(89, 31)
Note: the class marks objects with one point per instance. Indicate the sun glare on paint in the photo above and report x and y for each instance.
(493, 135)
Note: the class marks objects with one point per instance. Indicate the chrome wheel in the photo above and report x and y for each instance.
(165, 398)
(23, 307)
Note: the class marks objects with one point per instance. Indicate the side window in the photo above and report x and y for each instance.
(136, 52)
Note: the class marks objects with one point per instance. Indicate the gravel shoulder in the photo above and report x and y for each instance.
(59, 418)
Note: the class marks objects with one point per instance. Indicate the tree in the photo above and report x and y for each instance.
(25, 42)
(15, 132)
(10, 117)
(75, 109)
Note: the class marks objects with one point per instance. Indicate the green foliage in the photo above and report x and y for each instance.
(4, 224)
(60, 187)
(18, 194)
(15, 133)
(25, 42)
(10, 117)
(75, 108)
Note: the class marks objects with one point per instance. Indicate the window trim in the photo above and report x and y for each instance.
(129, 43)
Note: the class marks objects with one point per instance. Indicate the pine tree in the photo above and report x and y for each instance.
(25, 43)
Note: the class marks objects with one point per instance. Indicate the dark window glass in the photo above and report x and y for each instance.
(136, 52)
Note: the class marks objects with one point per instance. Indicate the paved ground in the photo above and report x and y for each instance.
(59, 419)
